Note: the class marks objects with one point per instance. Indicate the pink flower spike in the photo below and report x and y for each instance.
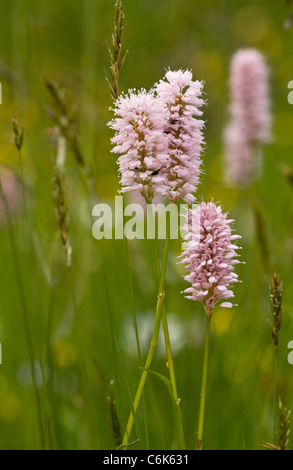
(210, 259)
(250, 101)
(139, 139)
(181, 168)
(250, 117)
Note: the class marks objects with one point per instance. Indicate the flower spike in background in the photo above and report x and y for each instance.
(249, 85)
(250, 114)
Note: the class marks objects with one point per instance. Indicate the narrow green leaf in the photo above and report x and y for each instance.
(163, 378)
(122, 446)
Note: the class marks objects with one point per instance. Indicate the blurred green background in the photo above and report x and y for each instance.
(75, 317)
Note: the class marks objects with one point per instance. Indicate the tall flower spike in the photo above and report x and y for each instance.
(250, 102)
(250, 114)
(210, 256)
(182, 97)
(139, 138)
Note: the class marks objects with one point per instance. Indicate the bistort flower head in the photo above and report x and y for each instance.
(249, 89)
(182, 97)
(250, 116)
(209, 256)
(139, 139)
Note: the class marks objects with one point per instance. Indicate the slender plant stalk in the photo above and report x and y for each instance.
(131, 291)
(154, 339)
(203, 385)
(176, 400)
(177, 412)
(275, 326)
(275, 379)
(136, 332)
(17, 137)
(49, 362)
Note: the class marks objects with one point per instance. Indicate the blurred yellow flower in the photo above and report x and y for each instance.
(64, 353)
(222, 320)
(10, 408)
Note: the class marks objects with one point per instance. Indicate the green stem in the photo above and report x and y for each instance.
(275, 393)
(23, 199)
(176, 400)
(131, 290)
(203, 384)
(49, 363)
(136, 335)
(177, 412)
(154, 340)
(133, 308)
